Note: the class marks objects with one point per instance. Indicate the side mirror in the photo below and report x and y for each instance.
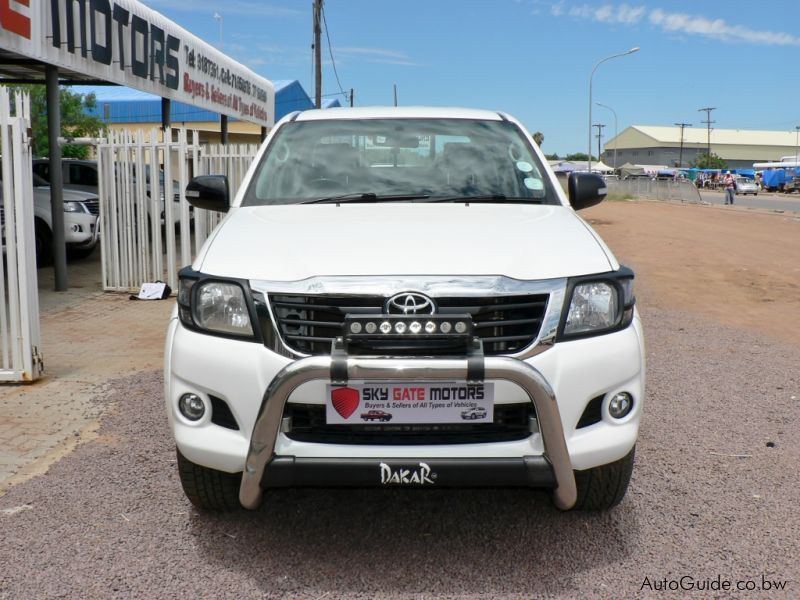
(209, 192)
(586, 189)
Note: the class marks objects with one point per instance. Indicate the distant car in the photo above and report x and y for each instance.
(376, 415)
(83, 175)
(81, 233)
(473, 413)
(746, 186)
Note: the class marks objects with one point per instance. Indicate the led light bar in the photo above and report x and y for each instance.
(360, 328)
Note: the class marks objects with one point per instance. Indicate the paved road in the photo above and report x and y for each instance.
(785, 202)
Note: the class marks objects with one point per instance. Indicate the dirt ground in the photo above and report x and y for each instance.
(739, 267)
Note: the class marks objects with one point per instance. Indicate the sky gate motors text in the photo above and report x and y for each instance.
(417, 394)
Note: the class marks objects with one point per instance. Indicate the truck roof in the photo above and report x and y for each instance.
(399, 112)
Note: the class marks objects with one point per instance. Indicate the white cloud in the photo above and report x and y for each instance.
(719, 29)
(609, 14)
(672, 22)
(375, 55)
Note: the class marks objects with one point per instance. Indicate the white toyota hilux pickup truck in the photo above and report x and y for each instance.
(403, 297)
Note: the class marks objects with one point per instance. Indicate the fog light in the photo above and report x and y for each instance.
(415, 327)
(192, 407)
(355, 327)
(400, 327)
(371, 327)
(620, 405)
(386, 327)
(445, 327)
(461, 327)
(430, 327)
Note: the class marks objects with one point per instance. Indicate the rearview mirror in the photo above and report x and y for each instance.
(209, 192)
(586, 189)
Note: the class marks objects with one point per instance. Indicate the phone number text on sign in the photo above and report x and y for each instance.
(398, 403)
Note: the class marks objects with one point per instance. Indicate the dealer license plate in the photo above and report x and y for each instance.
(361, 403)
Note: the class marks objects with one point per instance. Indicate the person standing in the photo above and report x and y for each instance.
(730, 188)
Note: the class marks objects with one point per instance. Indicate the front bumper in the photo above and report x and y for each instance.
(239, 373)
(81, 230)
(258, 470)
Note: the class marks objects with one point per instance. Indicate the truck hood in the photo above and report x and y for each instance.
(289, 243)
(69, 195)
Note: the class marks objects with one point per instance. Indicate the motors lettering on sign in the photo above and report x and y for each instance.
(151, 52)
(13, 21)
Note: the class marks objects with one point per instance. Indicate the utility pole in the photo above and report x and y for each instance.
(351, 97)
(317, 53)
(680, 156)
(708, 122)
(394, 86)
(599, 137)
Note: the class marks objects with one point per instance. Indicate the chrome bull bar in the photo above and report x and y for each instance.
(268, 422)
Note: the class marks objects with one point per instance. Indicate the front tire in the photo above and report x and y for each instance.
(603, 487)
(80, 253)
(208, 489)
(44, 244)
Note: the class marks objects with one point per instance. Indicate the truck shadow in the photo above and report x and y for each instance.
(485, 542)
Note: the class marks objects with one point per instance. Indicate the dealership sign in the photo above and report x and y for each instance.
(124, 42)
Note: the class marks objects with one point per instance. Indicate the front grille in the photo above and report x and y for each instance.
(511, 422)
(93, 206)
(506, 324)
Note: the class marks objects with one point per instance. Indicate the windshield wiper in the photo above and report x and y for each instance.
(487, 198)
(366, 197)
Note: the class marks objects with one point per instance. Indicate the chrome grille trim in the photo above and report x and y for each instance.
(446, 286)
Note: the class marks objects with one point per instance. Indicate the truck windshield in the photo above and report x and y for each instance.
(399, 159)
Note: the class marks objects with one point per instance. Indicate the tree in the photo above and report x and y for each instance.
(709, 161)
(553, 156)
(75, 119)
(538, 137)
(578, 156)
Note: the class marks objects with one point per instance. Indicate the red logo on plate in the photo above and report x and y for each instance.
(345, 400)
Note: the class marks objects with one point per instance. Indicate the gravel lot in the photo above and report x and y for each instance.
(714, 494)
(713, 497)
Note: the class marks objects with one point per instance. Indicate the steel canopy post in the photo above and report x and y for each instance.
(56, 178)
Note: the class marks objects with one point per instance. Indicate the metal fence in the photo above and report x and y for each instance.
(658, 189)
(148, 230)
(20, 358)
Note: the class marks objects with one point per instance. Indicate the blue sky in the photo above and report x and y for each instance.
(532, 58)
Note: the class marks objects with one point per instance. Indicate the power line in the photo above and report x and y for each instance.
(599, 136)
(680, 156)
(708, 122)
(330, 51)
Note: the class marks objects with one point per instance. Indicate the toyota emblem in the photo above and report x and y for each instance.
(410, 303)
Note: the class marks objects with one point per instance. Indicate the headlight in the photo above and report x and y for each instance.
(221, 307)
(73, 207)
(600, 304)
(594, 306)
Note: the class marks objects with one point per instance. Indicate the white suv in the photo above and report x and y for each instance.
(420, 262)
(81, 213)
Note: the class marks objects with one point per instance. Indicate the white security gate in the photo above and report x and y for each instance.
(19, 295)
(148, 230)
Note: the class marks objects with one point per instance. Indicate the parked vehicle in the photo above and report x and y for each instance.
(81, 232)
(425, 258)
(746, 186)
(83, 175)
